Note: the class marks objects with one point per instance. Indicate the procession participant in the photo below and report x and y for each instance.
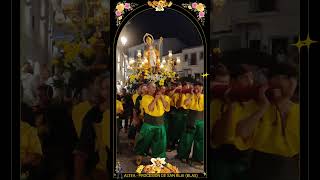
(217, 104)
(162, 91)
(80, 110)
(230, 151)
(179, 118)
(30, 147)
(28, 76)
(152, 133)
(90, 145)
(128, 105)
(176, 116)
(194, 133)
(119, 111)
(102, 130)
(276, 140)
(136, 114)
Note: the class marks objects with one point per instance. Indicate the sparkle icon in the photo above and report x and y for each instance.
(205, 75)
(299, 44)
(308, 41)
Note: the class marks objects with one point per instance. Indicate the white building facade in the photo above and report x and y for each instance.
(266, 25)
(192, 62)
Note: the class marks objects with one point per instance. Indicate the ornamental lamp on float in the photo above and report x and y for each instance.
(145, 60)
(163, 60)
(178, 60)
(139, 53)
(131, 60)
(170, 54)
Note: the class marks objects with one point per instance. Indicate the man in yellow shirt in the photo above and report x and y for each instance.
(277, 138)
(194, 132)
(179, 116)
(153, 132)
(175, 118)
(166, 116)
(229, 150)
(30, 147)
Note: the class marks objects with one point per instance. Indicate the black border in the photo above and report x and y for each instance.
(304, 90)
(14, 63)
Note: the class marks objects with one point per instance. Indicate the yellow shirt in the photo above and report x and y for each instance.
(158, 110)
(29, 140)
(78, 113)
(269, 137)
(240, 112)
(215, 114)
(183, 98)
(103, 139)
(119, 107)
(197, 102)
(134, 98)
(174, 99)
(167, 98)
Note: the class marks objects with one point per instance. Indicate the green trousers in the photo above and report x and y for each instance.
(167, 117)
(195, 136)
(228, 164)
(153, 136)
(176, 125)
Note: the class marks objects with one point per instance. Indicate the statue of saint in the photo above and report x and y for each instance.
(151, 53)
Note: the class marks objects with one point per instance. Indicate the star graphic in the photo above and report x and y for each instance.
(204, 173)
(299, 44)
(205, 75)
(308, 41)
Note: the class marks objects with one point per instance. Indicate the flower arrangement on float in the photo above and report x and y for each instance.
(161, 78)
(159, 165)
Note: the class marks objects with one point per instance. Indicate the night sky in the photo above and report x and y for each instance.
(168, 24)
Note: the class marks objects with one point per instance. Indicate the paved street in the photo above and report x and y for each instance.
(127, 159)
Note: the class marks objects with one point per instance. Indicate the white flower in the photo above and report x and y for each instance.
(158, 162)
